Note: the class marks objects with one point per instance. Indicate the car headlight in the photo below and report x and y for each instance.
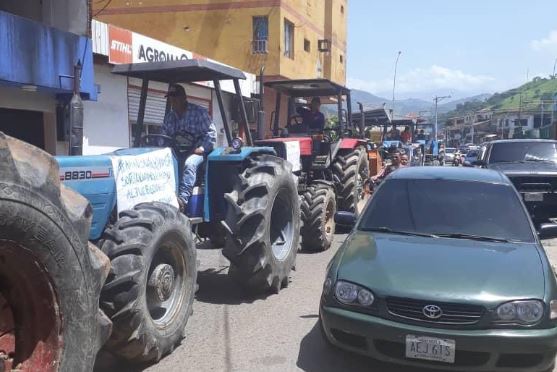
(327, 286)
(352, 294)
(527, 312)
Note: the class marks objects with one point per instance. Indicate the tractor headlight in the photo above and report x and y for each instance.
(522, 312)
(352, 294)
(237, 143)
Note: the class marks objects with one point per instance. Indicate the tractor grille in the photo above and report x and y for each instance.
(456, 314)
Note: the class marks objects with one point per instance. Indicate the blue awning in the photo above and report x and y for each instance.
(37, 55)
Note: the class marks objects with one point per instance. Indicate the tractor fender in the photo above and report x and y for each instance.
(351, 143)
(229, 154)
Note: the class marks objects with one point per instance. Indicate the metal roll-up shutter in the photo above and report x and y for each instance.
(156, 104)
(154, 108)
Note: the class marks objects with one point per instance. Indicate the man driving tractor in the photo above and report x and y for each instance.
(397, 161)
(194, 131)
(313, 118)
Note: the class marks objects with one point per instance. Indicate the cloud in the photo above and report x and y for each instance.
(547, 44)
(424, 80)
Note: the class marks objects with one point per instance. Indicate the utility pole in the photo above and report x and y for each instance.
(436, 100)
(541, 105)
(394, 85)
(554, 66)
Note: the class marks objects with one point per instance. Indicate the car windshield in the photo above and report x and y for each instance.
(443, 207)
(523, 151)
(471, 154)
(450, 150)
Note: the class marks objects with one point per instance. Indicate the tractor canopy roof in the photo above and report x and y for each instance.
(183, 71)
(308, 88)
(375, 117)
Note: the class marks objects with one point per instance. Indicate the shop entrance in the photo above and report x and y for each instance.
(25, 125)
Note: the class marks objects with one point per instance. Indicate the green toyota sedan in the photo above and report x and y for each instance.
(443, 269)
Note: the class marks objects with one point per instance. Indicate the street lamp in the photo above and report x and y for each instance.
(394, 85)
(436, 100)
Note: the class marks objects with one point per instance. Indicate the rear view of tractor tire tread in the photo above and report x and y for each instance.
(135, 246)
(346, 168)
(52, 274)
(264, 199)
(318, 207)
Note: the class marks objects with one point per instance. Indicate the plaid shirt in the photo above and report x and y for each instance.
(195, 123)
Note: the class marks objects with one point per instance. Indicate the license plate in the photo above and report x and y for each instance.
(430, 348)
(533, 196)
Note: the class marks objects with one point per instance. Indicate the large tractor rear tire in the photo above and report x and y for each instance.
(263, 224)
(318, 211)
(50, 276)
(150, 289)
(352, 169)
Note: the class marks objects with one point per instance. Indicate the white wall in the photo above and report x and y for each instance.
(217, 118)
(105, 122)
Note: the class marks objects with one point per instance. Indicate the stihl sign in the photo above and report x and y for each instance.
(120, 43)
(129, 47)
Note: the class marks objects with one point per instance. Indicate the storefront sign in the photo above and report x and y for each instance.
(130, 47)
(145, 178)
(146, 49)
(120, 45)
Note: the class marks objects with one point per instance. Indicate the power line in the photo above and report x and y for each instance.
(103, 8)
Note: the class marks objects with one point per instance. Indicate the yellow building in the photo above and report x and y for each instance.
(294, 39)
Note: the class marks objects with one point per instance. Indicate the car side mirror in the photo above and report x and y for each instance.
(345, 219)
(547, 231)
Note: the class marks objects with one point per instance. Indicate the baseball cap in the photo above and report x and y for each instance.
(316, 100)
(176, 90)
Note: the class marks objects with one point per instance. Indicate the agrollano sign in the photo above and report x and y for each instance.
(129, 47)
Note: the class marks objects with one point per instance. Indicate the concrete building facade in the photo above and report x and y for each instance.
(292, 39)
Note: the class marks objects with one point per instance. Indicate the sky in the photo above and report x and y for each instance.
(456, 47)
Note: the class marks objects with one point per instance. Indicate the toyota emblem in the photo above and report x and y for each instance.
(432, 311)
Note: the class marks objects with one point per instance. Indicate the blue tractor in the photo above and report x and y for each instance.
(245, 194)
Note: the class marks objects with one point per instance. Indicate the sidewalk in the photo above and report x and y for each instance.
(551, 251)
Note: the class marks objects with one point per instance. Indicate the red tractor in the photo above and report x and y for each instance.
(331, 163)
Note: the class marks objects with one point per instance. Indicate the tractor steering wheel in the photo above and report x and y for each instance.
(156, 140)
(298, 120)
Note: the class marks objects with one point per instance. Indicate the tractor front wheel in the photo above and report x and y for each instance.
(318, 211)
(263, 224)
(149, 292)
(352, 170)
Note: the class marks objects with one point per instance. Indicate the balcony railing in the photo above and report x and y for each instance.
(259, 47)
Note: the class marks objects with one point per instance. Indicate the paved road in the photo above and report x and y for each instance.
(231, 332)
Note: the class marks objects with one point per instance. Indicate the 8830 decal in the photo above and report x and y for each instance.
(80, 174)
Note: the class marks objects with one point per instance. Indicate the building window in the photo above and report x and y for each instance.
(307, 45)
(341, 59)
(288, 39)
(260, 36)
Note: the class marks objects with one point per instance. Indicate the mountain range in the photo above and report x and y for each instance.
(410, 105)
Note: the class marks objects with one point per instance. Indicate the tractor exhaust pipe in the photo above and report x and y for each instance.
(261, 113)
(76, 114)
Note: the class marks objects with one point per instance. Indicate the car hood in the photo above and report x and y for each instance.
(442, 269)
(531, 167)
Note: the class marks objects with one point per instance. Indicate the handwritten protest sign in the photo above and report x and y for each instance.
(145, 178)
